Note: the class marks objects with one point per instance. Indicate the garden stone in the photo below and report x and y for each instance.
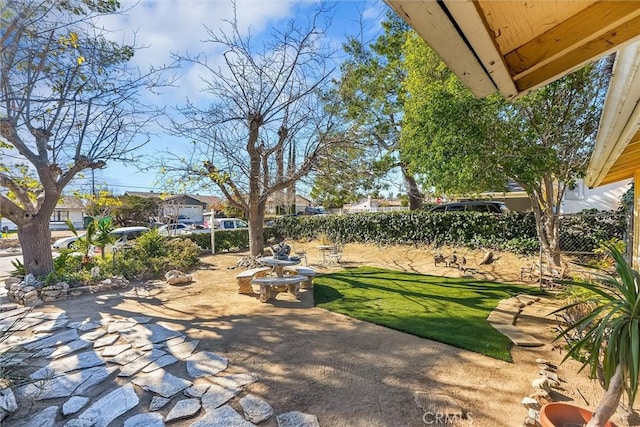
(149, 333)
(104, 341)
(163, 361)
(85, 360)
(8, 403)
(125, 357)
(44, 418)
(542, 384)
(137, 365)
(141, 319)
(88, 326)
(530, 402)
(183, 350)
(51, 326)
(93, 335)
(111, 406)
(120, 326)
(197, 390)
(149, 419)
(66, 385)
(183, 409)
(218, 395)
(74, 404)
(158, 402)
(297, 419)
(115, 350)
(551, 375)
(224, 416)
(176, 277)
(57, 339)
(161, 382)
(205, 364)
(69, 348)
(236, 380)
(255, 409)
(79, 423)
(11, 281)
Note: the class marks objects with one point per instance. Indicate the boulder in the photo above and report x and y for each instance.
(176, 277)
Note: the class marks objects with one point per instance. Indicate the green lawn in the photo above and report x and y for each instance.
(452, 311)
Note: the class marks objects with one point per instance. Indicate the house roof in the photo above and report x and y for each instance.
(517, 46)
(210, 201)
(68, 202)
(145, 194)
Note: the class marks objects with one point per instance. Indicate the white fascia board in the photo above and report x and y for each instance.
(471, 23)
(431, 22)
(620, 116)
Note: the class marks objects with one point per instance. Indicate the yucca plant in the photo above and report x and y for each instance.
(84, 242)
(610, 335)
(104, 226)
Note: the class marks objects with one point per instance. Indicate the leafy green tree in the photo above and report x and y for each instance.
(135, 210)
(462, 145)
(69, 101)
(372, 99)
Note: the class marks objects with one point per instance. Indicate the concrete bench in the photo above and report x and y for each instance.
(270, 286)
(309, 273)
(245, 277)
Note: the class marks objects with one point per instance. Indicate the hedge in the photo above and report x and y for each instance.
(227, 240)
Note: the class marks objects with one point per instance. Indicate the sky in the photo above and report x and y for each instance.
(180, 26)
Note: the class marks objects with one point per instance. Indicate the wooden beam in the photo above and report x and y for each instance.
(595, 49)
(618, 176)
(600, 18)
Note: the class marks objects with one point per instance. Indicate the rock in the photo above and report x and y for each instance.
(255, 409)
(74, 404)
(79, 423)
(534, 414)
(65, 385)
(205, 364)
(176, 277)
(182, 350)
(551, 375)
(297, 419)
(218, 395)
(120, 326)
(104, 341)
(69, 348)
(114, 350)
(541, 384)
(183, 409)
(151, 333)
(197, 390)
(137, 365)
(161, 382)
(235, 380)
(546, 363)
(149, 419)
(541, 397)
(53, 340)
(44, 418)
(224, 416)
(8, 401)
(84, 360)
(530, 402)
(163, 361)
(528, 421)
(11, 281)
(51, 326)
(111, 406)
(158, 402)
(31, 281)
(95, 271)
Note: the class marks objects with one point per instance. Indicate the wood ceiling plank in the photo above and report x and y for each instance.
(516, 22)
(594, 49)
(596, 20)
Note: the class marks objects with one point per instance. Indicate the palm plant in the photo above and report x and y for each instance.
(610, 335)
(83, 243)
(104, 226)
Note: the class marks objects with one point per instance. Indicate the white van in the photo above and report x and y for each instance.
(229, 224)
(125, 237)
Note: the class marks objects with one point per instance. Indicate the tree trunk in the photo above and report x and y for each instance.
(256, 232)
(547, 227)
(35, 240)
(610, 400)
(413, 191)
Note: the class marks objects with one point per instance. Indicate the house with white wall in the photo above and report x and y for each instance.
(68, 208)
(604, 198)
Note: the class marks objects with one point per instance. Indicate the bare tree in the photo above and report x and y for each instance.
(69, 102)
(267, 103)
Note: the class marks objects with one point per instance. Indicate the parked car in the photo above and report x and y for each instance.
(124, 238)
(309, 210)
(66, 242)
(229, 224)
(472, 206)
(173, 229)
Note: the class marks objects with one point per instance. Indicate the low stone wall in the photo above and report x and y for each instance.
(30, 291)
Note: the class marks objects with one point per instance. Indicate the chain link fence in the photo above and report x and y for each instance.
(581, 237)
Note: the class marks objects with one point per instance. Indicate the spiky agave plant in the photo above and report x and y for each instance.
(611, 334)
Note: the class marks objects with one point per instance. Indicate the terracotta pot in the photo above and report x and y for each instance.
(558, 414)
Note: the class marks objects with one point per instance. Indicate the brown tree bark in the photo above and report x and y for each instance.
(35, 240)
(413, 190)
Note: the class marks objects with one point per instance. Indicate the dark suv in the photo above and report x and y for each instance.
(473, 206)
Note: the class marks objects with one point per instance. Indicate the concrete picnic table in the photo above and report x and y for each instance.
(269, 285)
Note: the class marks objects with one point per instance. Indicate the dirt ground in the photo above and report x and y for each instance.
(344, 371)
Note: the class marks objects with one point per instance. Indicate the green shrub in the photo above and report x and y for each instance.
(229, 240)
(152, 243)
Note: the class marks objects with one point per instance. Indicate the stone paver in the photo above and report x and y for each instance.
(196, 390)
(52, 325)
(74, 404)
(111, 406)
(218, 395)
(137, 365)
(224, 416)
(148, 333)
(182, 350)
(56, 339)
(161, 362)
(235, 380)
(105, 341)
(161, 382)
(148, 419)
(255, 409)
(297, 419)
(205, 364)
(65, 385)
(69, 348)
(44, 418)
(85, 360)
(158, 402)
(185, 408)
(114, 350)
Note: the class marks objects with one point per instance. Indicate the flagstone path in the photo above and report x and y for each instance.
(99, 370)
